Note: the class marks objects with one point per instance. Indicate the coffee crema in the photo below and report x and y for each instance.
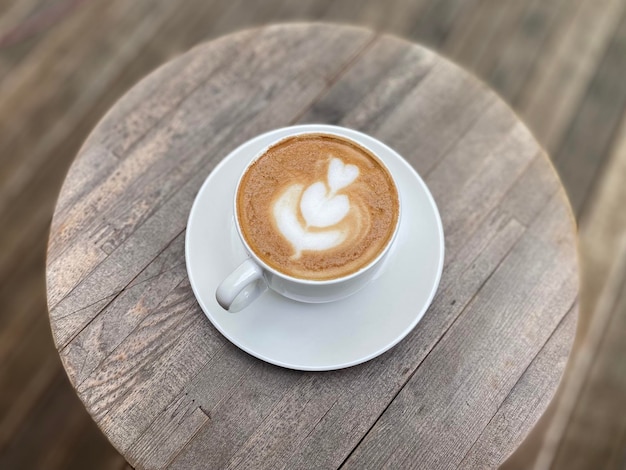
(317, 207)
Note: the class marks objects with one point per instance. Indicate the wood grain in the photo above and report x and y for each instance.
(523, 46)
(479, 52)
(600, 113)
(577, 438)
(604, 225)
(58, 420)
(435, 23)
(552, 93)
(599, 436)
(430, 419)
(168, 390)
(338, 421)
(73, 303)
(522, 407)
(49, 138)
(565, 68)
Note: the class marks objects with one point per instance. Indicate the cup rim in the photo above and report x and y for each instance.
(316, 282)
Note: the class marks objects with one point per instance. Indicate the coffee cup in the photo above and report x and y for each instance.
(317, 213)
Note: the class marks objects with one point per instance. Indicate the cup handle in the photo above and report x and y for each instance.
(241, 287)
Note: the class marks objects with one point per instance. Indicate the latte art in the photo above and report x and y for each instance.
(317, 206)
(320, 206)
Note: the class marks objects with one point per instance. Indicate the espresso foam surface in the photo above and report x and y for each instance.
(317, 207)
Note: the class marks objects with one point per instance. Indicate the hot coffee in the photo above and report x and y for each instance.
(317, 207)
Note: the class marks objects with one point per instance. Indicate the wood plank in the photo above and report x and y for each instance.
(565, 68)
(435, 23)
(524, 45)
(592, 431)
(53, 442)
(114, 141)
(28, 229)
(28, 154)
(18, 294)
(354, 87)
(119, 137)
(23, 309)
(501, 163)
(180, 34)
(430, 435)
(24, 305)
(4, 68)
(377, 115)
(300, 408)
(25, 367)
(125, 312)
(168, 433)
(237, 15)
(593, 129)
(369, 13)
(151, 55)
(398, 17)
(348, 11)
(466, 30)
(133, 341)
(162, 225)
(480, 47)
(90, 449)
(533, 190)
(14, 14)
(23, 239)
(20, 456)
(521, 408)
(28, 385)
(342, 424)
(603, 225)
(133, 396)
(617, 460)
(302, 11)
(27, 24)
(26, 400)
(16, 93)
(215, 382)
(366, 98)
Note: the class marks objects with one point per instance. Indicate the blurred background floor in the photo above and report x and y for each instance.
(561, 64)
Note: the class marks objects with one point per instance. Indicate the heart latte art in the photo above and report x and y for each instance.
(317, 206)
(320, 206)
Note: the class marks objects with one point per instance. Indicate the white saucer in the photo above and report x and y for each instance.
(317, 336)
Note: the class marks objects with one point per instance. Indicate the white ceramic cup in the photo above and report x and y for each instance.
(253, 277)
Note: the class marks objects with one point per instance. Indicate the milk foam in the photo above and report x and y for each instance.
(319, 206)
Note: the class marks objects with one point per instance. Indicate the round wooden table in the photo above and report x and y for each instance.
(461, 390)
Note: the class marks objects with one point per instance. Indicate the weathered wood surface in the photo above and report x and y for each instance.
(60, 53)
(587, 428)
(169, 390)
(606, 94)
(604, 225)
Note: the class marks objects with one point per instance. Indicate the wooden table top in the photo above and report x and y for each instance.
(461, 390)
